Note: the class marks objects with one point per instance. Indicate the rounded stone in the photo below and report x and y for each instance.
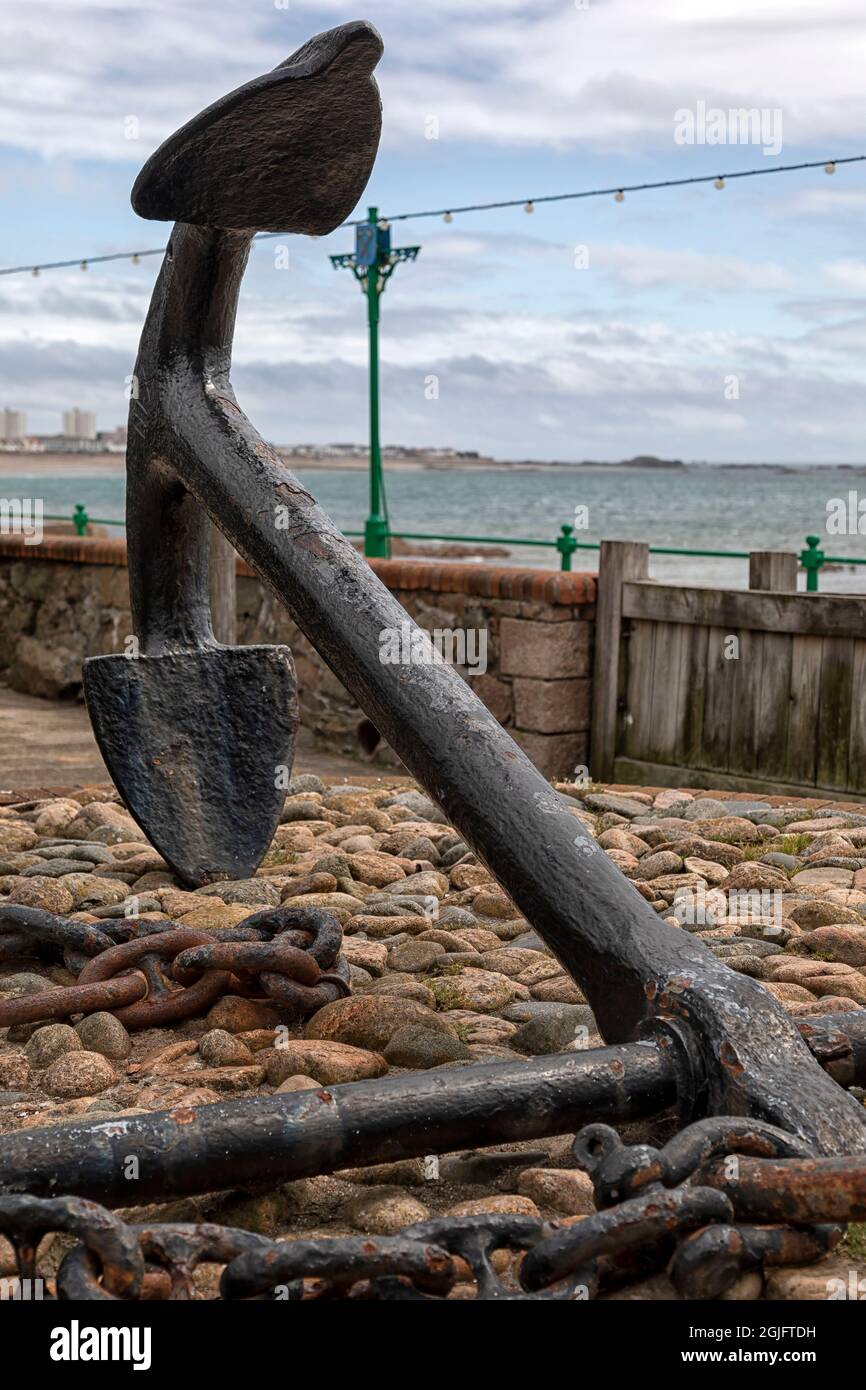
(89, 891)
(384, 1212)
(51, 868)
(812, 878)
(359, 844)
(419, 1047)
(415, 956)
(420, 805)
(778, 860)
(48, 893)
(821, 912)
(494, 905)
(331, 1063)
(509, 1204)
(306, 782)
(17, 835)
(216, 914)
(404, 987)
(371, 956)
(25, 982)
(105, 1034)
(424, 848)
(48, 1043)
(55, 818)
(564, 1190)
(14, 1071)
(845, 944)
(558, 1028)
(456, 918)
(79, 1074)
(426, 884)
(753, 875)
(560, 990)
(705, 809)
(370, 1020)
(297, 1083)
(252, 891)
(219, 1048)
(657, 865)
(238, 1015)
(481, 990)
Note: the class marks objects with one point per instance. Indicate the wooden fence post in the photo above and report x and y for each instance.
(773, 570)
(223, 588)
(619, 562)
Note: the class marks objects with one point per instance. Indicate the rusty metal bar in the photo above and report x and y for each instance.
(281, 1137)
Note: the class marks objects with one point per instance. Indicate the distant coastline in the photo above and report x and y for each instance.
(310, 459)
(307, 458)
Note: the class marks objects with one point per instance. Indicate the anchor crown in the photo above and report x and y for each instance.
(290, 151)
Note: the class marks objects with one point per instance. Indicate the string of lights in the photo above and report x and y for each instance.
(447, 214)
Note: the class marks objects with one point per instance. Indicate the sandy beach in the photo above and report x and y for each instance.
(71, 465)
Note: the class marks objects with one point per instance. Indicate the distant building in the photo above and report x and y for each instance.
(66, 444)
(13, 424)
(114, 441)
(79, 424)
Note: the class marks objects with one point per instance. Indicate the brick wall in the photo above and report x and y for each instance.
(67, 599)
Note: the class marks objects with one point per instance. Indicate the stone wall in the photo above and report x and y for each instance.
(67, 599)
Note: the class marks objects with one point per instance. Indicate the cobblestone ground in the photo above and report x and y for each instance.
(444, 972)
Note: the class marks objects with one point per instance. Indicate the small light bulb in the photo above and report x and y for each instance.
(529, 207)
(620, 197)
(83, 265)
(384, 225)
(136, 260)
(720, 182)
(449, 217)
(831, 167)
(35, 270)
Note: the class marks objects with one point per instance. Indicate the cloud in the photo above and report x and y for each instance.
(651, 267)
(516, 386)
(533, 358)
(500, 72)
(849, 272)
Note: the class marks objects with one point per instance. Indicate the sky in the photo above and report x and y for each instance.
(702, 324)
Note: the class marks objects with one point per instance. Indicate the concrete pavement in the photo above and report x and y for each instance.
(49, 743)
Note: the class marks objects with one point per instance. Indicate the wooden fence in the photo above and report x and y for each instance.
(759, 690)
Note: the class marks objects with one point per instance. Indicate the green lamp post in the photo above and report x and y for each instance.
(372, 263)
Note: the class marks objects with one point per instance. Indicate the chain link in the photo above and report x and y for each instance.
(658, 1210)
(152, 973)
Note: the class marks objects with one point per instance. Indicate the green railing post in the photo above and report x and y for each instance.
(812, 559)
(80, 519)
(376, 527)
(372, 265)
(566, 543)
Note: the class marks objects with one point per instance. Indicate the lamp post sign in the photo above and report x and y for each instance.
(373, 263)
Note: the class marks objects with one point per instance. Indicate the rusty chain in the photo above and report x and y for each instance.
(150, 973)
(705, 1208)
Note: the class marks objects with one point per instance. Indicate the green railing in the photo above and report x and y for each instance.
(812, 559)
(81, 520)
